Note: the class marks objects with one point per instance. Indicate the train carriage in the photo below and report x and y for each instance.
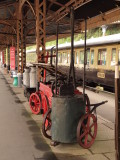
(102, 55)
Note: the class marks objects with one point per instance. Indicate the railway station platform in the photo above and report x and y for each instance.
(21, 137)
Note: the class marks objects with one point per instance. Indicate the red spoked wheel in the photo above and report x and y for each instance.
(35, 103)
(44, 101)
(46, 126)
(87, 130)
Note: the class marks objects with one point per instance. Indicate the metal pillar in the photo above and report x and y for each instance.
(21, 41)
(23, 34)
(117, 112)
(56, 59)
(85, 58)
(72, 69)
(3, 58)
(6, 57)
(40, 7)
(72, 45)
(19, 49)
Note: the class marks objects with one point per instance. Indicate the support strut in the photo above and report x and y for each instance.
(40, 34)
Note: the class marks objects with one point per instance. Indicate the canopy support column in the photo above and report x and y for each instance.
(21, 42)
(40, 34)
(85, 58)
(19, 46)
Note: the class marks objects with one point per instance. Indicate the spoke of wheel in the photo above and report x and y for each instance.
(86, 139)
(83, 134)
(49, 120)
(33, 108)
(83, 125)
(36, 109)
(92, 125)
(47, 128)
(88, 122)
(91, 135)
(33, 97)
(38, 103)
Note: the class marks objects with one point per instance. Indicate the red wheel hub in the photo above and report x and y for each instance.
(87, 130)
(35, 103)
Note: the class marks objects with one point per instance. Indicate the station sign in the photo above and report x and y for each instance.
(12, 58)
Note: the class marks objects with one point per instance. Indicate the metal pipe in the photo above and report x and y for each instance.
(85, 59)
(51, 54)
(56, 59)
(72, 48)
(72, 45)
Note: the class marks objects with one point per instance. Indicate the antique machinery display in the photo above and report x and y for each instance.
(57, 96)
(21, 18)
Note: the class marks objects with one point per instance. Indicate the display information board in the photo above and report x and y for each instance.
(12, 58)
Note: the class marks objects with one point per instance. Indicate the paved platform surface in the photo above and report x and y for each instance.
(21, 137)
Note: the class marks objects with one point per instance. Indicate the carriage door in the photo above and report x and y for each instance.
(119, 56)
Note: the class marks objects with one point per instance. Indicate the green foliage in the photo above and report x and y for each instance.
(113, 29)
(31, 57)
(31, 47)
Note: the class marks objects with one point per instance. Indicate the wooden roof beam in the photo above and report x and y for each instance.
(103, 19)
(64, 10)
(55, 2)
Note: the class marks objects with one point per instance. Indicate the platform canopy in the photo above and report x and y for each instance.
(96, 12)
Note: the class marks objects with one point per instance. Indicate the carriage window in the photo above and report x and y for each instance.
(92, 56)
(59, 57)
(113, 56)
(81, 57)
(75, 57)
(88, 57)
(102, 57)
(64, 58)
(68, 60)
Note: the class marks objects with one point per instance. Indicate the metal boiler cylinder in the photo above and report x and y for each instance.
(33, 77)
(26, 77)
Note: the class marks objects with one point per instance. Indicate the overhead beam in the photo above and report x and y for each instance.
(102, 19)
(64, 10)
(55, 2)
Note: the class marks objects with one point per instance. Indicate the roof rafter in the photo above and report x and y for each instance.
(106, 18)
(64, 10)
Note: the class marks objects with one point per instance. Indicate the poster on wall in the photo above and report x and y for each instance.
(12, 58)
